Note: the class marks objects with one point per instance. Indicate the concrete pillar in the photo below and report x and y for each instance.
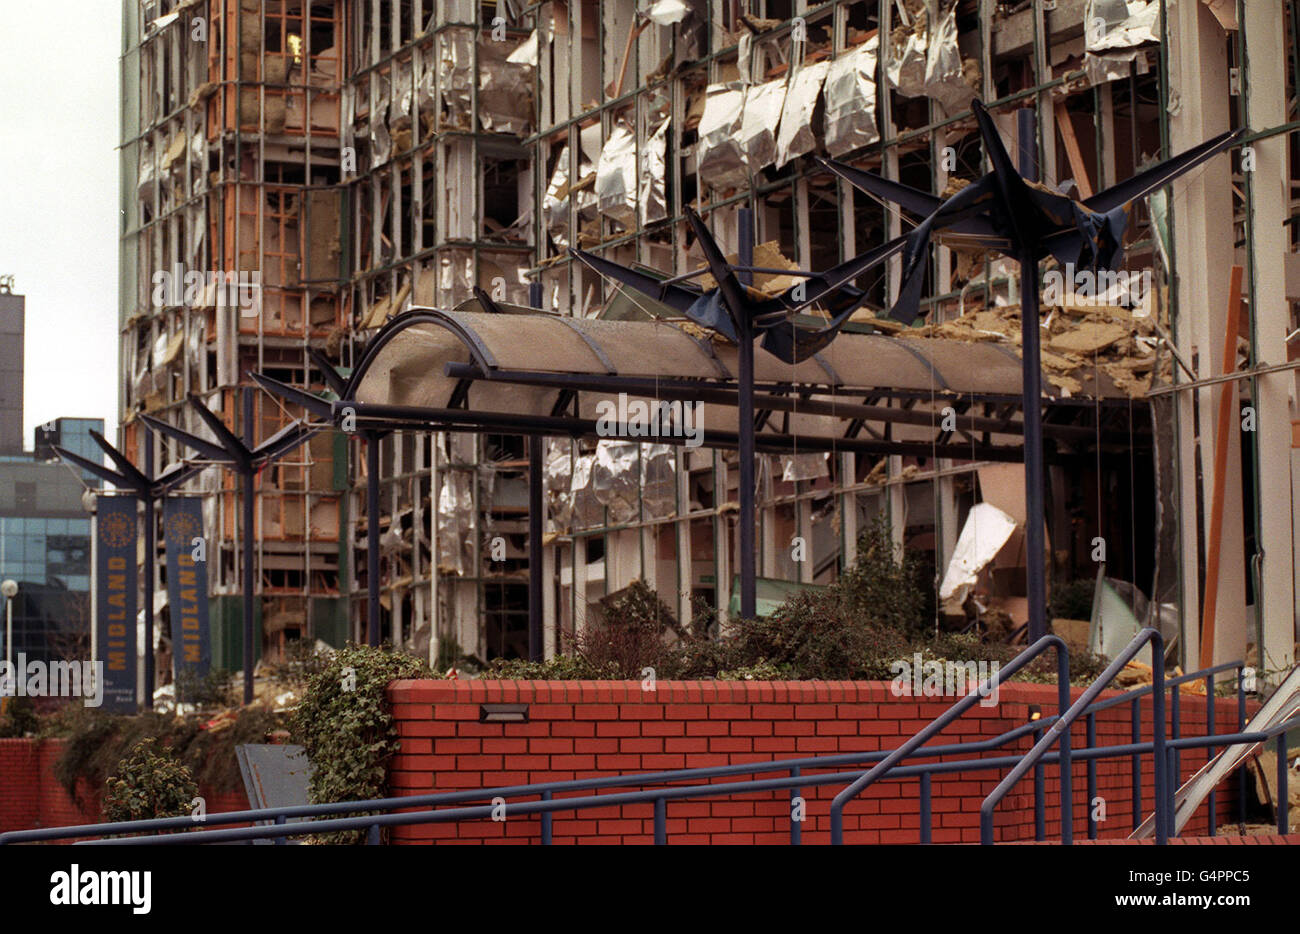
(1203, 253)
(1264, 84)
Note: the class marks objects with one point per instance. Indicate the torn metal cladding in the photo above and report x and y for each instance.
(616, 478)
(1113, 31)
(616, 177)
(456, 76)
(762, 118)
(925, 61)
(456, 522)
(850, 92)
(721, 160)
(796, 136)
(652, 194)
(796, 467)
(557, 478)
(505, 89)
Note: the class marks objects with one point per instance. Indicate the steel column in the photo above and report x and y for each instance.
(536, 519)
(1035, 577)
(150, 556)
(248, 475)
(745, 407)
(372, 537)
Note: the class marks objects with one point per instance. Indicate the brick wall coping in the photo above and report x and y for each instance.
(437, 691)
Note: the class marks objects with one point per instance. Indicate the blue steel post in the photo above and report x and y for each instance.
(745, 412)
(1283, 819)
(1040, 795)
(546, 820)
(1035, 578)
(1092, 777)
(1209, 753)
(926, 819)
(536, 521)
(661, 821)
(150, 556)
(372, 537)
(796, 826)
(1135, 763)
(1241, 769)
(248, 477)
(1164, 799)
(1176, 722)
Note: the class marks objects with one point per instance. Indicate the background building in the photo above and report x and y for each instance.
(44, 527)
(364, 156)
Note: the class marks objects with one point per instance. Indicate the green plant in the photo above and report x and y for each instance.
(149, 782)
(346, 728)
(19, 717)
(559, 668)
(885, 587)
(818, 634)
(1071, 599)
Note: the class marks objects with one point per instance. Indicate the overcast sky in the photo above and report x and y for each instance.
(59, 200)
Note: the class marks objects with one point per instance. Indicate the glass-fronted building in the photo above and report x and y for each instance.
(45, 543)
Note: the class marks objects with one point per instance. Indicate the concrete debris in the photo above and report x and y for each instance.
(1078, 339)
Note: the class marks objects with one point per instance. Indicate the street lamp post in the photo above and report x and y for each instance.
(10, 590)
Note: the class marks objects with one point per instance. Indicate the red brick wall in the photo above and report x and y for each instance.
(580, 729)
(31, 797)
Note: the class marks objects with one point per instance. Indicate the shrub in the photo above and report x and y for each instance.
(346, 728)
(150, 782)
(818, 634)
(19, 718)
(1071, 599)
(884, 587)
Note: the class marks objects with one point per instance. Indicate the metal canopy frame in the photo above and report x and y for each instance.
(246, 458)
(1008, 211)
(824, 390)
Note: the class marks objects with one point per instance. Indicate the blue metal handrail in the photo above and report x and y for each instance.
(1060, 731)
(548, 804)
(659, 797)
(883, 768)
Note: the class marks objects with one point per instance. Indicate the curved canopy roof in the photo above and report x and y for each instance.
(551, 374)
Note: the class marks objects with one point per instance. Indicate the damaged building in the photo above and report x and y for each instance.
(354, 159)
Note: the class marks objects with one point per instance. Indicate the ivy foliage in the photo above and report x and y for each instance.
(344, 725)
(149, 782)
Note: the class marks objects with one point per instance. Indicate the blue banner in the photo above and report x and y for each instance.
(116, 598)
(187, 587)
